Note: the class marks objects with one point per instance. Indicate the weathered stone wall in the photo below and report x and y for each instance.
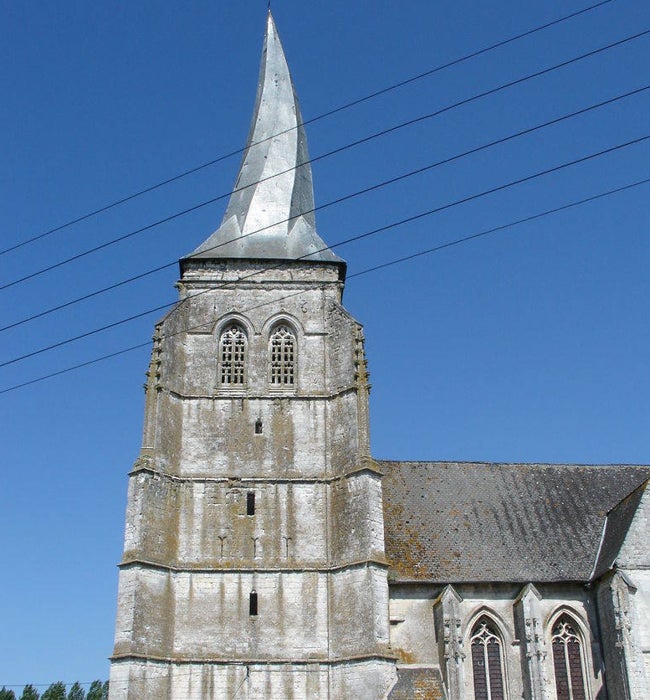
(412, 631)
(361, 680)
(306, 296)
(305, 437)
(359, 625)
(145, 616)
(309, 429)
(212, 620)
(369, 680)
(204, 523)
(641, 626)
(357, 524)
(312, 549)
(133, 679)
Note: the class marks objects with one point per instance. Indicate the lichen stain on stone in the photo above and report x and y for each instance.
(282, 434)
(404, 656)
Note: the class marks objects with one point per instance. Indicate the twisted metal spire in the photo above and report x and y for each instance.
(270, 213)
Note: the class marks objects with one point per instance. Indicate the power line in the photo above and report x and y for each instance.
(340, 149)
(90, 295)
(435, 249)
(324, 115)
(339, 244)
(358, 237)
(339, 200)
(496, 229)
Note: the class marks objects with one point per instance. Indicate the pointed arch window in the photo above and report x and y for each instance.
(487, 661)
(568, 660)
(282, 350)
(232, 355)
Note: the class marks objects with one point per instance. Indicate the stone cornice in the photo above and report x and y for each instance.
(324, 569)
(230, 395)
(367, 465)
(219, 284)
(359, 470)
(322, 661)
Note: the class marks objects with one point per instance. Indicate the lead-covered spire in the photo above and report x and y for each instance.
(271, 209)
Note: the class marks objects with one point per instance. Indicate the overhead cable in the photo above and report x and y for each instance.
(377, 186)
(435, 249)
(335, 151)
(339, 244)
(324, 115)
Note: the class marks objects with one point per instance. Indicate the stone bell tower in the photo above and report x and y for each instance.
(254, 560)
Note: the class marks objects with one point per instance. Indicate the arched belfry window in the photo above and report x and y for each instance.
(487, 661)
(232, 355)
(568, 660)
(282, 350)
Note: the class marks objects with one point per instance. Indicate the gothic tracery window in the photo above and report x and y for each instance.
(232, 355)
(567, 660)
(283, 356)
(487, 661)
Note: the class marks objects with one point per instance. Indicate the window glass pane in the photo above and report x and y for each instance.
(494, 665)
(487, 661)
(567, 661)
(575, 669)
(561, 678)
(480, 674)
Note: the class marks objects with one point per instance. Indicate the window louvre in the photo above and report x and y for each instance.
(232, 356)
(283, 351)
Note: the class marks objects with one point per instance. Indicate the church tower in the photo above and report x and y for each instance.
(254, 561)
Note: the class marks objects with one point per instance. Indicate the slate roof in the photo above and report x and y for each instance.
(450, 522)
(418, 683)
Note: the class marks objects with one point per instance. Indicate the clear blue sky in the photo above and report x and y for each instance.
(530, 345)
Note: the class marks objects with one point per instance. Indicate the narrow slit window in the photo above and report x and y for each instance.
(252, 603)
(250, 503)
(567, 661)
(487, 661)
(258, 427)
(232, 356)
(283, 356)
